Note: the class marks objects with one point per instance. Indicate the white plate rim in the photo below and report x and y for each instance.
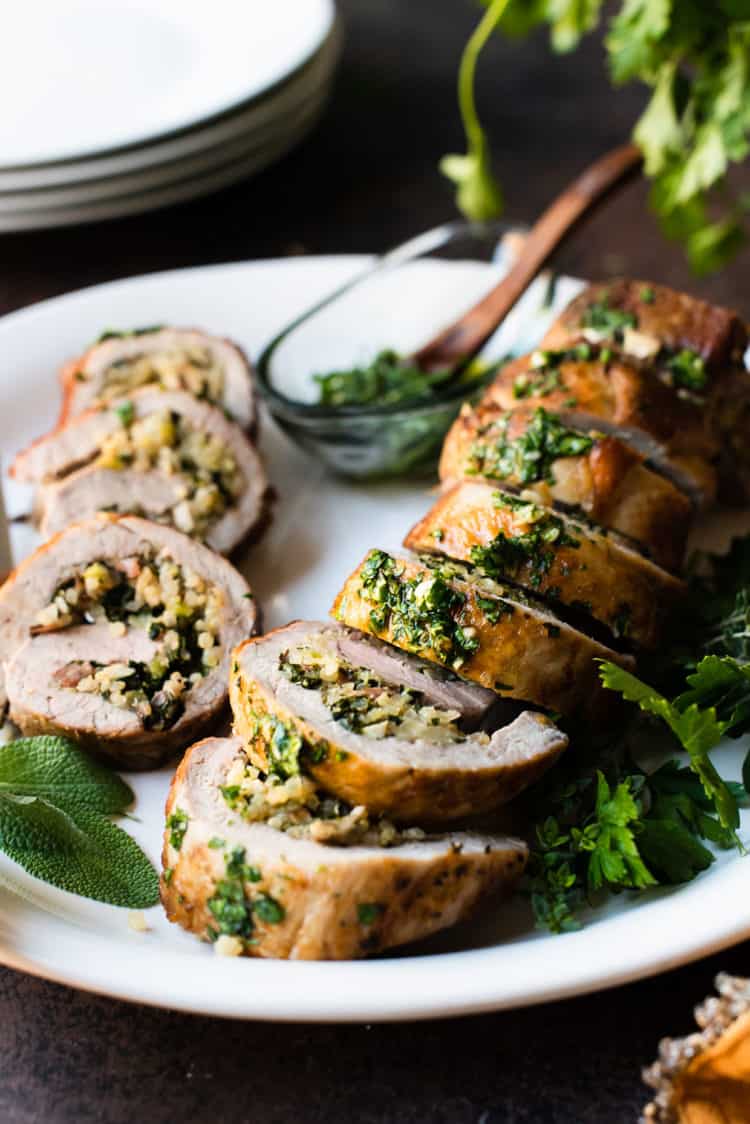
(320, 19)
(183, 190)
(90, 193)
(224, 129)
(672, 928)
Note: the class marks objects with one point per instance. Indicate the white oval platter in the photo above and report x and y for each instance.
(322, 528)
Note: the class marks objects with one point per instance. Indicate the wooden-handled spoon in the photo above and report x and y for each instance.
(463, 339)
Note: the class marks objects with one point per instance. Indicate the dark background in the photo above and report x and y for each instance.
(364, 180)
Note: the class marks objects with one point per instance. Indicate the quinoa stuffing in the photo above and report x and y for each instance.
(365, 704)
(210, 480)
(178, 609)
(298, 807)
(184, 368)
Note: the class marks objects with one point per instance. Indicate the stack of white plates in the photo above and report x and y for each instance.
(113, 107)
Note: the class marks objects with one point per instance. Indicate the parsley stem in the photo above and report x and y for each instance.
(475, 137)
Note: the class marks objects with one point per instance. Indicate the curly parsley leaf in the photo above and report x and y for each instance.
(614, 857)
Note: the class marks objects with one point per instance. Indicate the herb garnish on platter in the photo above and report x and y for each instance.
(54, 808)
(602, 823)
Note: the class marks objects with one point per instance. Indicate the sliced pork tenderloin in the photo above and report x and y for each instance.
(553, 555)
(653, 324)
(159, 453)
(531, 451)
(439, 687)
(207, 366)
(306, 698)
(118, 633)
(256, 890)
(483, 630)
(588, 389)
(695, 347)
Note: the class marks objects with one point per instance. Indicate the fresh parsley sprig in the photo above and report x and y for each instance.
(54, 808)
(694, 57)
(603, 824)
(697, 729)
(616, 828)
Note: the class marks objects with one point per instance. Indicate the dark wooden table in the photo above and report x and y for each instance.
(364, 180)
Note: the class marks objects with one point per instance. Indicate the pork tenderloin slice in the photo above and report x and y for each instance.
(607, 481)
(332, 903)
(84, 378)
(441, 688)
(484, 631)
(672, 321)
(696, 348)
(622, 400)
(70, 493)
(29, 665)
(550, 554)
(405, 779)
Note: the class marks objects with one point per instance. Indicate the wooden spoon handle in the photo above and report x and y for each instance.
(466, 336)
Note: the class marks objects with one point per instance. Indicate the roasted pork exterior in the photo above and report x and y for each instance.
(258, 890)
(531, 451)
(207, 366)
(306, 698)
(484, 631)
(552, 555)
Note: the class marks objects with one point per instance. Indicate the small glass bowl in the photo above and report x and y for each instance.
(398, 303)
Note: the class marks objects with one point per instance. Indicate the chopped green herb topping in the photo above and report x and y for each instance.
(544, 375)
(688, 370)
(267, 909)
(648, 296)
(424, 611)
(391, 380)
(369, 912)
(230, 906)
(529, 457)
(494, 608)
(607, 322)
(177, 825)
(533, 550)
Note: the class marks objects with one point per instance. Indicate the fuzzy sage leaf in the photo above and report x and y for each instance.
(53, 807)
(57, 770)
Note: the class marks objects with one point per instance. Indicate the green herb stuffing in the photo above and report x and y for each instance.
(126, 413)
(54, 804)
(530, 457)
(114, 334)
(282, 743)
